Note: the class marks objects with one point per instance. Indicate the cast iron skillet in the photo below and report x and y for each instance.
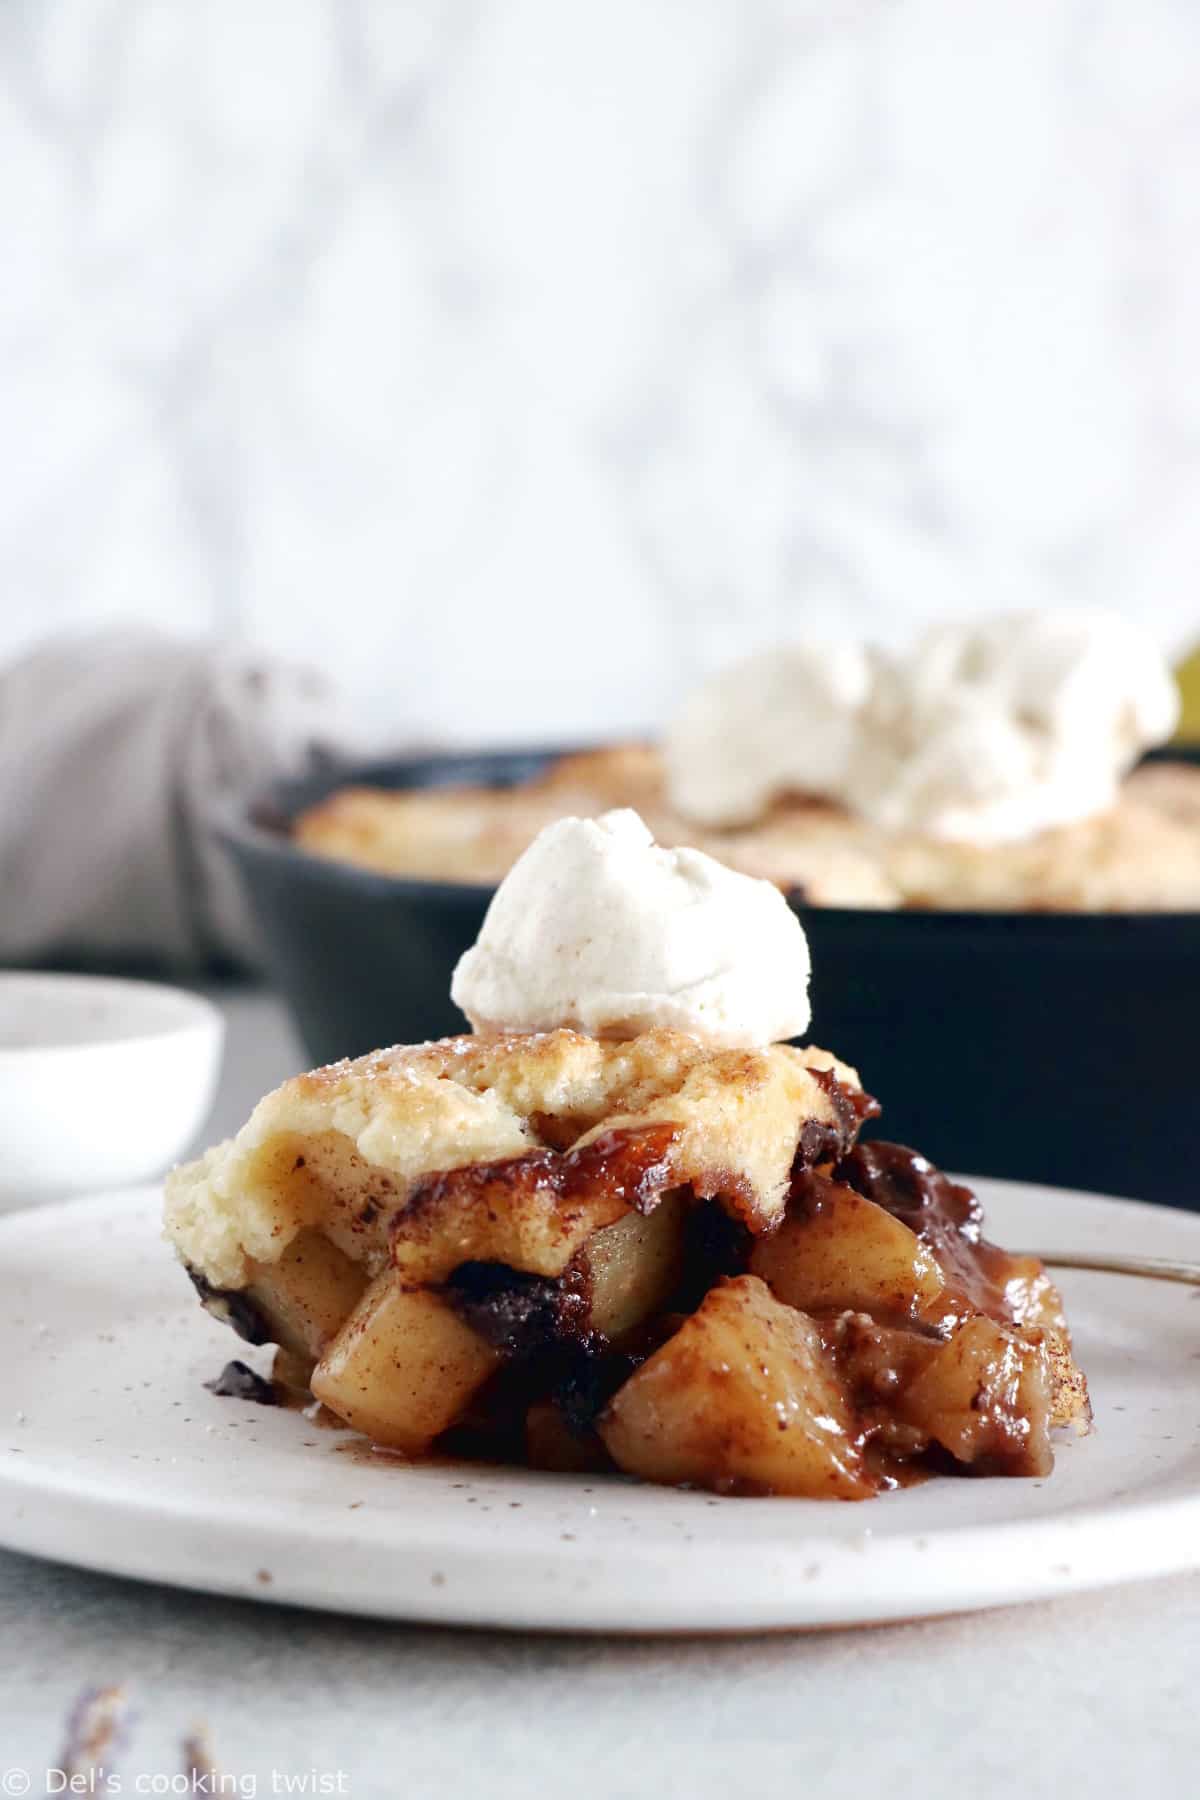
(1050, 1047)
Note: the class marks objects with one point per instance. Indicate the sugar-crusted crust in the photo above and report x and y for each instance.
(1135, 858)
(347, 1147)
(474, 835)
(1141, 856)
(435, 834)
(1168, 787)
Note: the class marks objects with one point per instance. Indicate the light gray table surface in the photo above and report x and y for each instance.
(1095, 1694)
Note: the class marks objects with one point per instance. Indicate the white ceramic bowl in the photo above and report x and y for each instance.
(103, 1081)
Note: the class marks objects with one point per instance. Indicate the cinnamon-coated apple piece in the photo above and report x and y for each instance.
(307, 1295)
(633, 1266)
(741, 1398)
(848, 1253)
(986, 1396)
(404, 1367)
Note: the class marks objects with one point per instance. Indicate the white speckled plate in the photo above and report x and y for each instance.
(113, 1455)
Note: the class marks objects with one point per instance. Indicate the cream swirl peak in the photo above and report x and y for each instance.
(598, 928)
(986, 731)
(783, 720)
(993, 731)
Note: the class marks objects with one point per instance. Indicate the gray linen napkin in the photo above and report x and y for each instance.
(115, 749)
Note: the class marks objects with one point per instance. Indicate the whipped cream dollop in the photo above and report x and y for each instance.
(598, 928)
(781, 721)
(995, 730)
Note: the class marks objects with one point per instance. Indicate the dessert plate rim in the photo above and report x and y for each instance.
(117, 1460)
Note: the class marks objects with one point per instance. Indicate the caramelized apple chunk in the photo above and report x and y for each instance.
(404, 1367)
(741, 1399)
(839, 1251)
(551, 1444)
(304, 1298)
(1030, 1296)
(985, 1396)
(631, 1268)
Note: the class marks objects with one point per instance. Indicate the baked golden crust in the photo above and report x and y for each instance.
(1142, 856)
(1134, 858)
(474, 835)
(468, 835)
(616, 775)
(1168, 787)
(345, 1148)
(809, 848)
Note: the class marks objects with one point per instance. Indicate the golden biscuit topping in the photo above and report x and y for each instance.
(346, 1146)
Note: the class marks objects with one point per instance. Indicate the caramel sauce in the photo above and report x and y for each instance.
(232, 1307)
(376, 1456)
(628, 1167)
(237, 1381)
(945, 1216)
(852, 1107)
(517, 1312)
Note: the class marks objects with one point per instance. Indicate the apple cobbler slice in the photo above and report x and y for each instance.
(655, 1255)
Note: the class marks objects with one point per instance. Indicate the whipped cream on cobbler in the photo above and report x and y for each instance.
(598, 928)
(993, 731)
(782, 721)
(985, 732)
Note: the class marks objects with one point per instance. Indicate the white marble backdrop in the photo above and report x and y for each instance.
(516, 359)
